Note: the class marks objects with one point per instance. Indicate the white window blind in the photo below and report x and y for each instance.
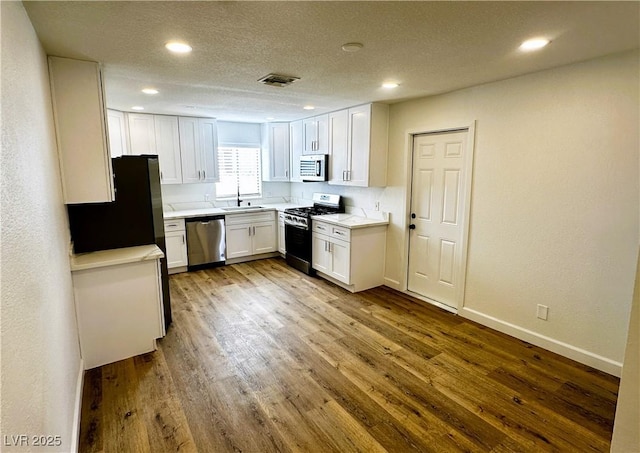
(239, 170)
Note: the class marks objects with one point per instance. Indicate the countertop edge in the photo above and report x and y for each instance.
(203, 212)
(114, 257)
(366, 222)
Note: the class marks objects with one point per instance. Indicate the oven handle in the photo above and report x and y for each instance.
(299, 227)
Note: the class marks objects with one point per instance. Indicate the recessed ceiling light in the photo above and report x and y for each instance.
(352, 46)
(178, 47)
(137, 107)
(270, 118)
(534, 44)
(308, 107)
(390, 85)
(150, 91)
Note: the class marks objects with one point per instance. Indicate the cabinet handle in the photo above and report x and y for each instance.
(161, 177)
(343, 175)
(249, 231)
(325, 245)
(172, 225)
(204, 174)
(320, 227)
(286, 173)
(339, 233)
(254, 231)
(183, 238)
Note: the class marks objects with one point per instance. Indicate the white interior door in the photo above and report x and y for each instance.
(437, 209)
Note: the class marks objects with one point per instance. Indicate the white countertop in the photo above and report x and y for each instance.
(201, 212)
(114, 257)
(353, 221)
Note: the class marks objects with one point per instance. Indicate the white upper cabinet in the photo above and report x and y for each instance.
(316, 135)
(295, 148)
(338, 141)
(190, 149)
(186, 147)
(117, 133)
(142, 134)
(276, 159)
(365, 162)
(198, 149)
(168, 148)
(79, 113)
(209, 149)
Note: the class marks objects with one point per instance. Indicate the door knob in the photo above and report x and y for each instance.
(412, 227)
(413, 216)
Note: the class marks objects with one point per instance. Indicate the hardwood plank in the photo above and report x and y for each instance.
(165, 420)
(124, 426)
(263, 358)
(91, 425)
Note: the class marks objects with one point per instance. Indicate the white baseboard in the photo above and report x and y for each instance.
(75, 433)
(550, 344)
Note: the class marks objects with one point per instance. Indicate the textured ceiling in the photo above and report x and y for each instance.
(429, 47)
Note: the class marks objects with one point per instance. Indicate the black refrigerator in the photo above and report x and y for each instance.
(134, 218)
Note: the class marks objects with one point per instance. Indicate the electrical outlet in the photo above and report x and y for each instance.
(377, 207)
(543, 312)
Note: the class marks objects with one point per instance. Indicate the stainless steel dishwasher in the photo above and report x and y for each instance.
(206, 240)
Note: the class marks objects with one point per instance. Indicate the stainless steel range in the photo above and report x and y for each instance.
(298, 229)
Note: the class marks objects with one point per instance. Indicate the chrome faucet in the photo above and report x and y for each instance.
(238, 200)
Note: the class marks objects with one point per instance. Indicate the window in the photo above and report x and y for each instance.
(239, 171)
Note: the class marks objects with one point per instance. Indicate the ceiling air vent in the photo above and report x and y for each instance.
(277, 80)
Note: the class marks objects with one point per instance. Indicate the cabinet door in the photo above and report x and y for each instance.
(296, 140)
(359, 146)
(81, 130)
(264, 237)
(168, 148)
(117, 133)
(142, 133)
(278, 164)
(189, 149)
(309, 136)
(322, 122)
(338, 138)
(209, 149)
(176, 249)
(340, 257)
(238, 241)
(320, 253)
(281, 238)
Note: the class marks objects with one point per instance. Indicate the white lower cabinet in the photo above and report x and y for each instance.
(354, 259)
(118, 298)
(176, 244)
(249, 235)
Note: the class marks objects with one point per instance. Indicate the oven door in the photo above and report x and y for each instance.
(298, 242)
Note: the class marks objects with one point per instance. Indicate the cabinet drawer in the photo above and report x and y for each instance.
(254, 217)
(174, 225)
(332, 230)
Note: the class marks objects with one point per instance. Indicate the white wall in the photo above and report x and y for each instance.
(40, 358)
(554, 211)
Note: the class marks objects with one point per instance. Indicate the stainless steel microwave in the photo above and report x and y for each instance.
(314, 168)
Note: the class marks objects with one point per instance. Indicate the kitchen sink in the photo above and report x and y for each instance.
(241, 208)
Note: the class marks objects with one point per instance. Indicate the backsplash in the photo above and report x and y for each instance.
(272, 192)
(357, 200)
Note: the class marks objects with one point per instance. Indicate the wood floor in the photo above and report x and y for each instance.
(262, 358)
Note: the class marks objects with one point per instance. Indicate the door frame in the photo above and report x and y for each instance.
(468, 180)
